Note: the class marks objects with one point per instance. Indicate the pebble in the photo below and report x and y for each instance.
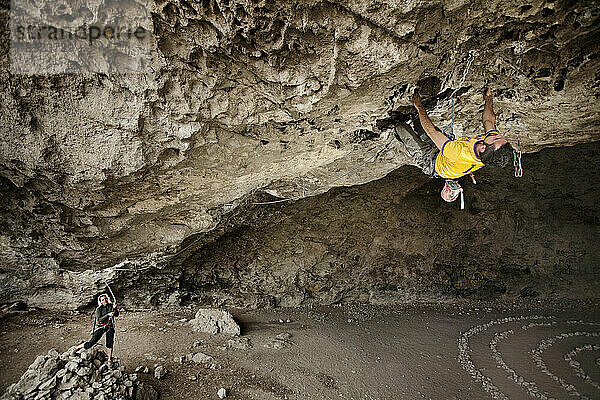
(179, 359)
(160, 372)
(239, 343)
(222, 393)
(200, 358)
(142, 369)
(284, 336)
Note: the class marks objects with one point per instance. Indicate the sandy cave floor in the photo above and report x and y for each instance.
(408, 351)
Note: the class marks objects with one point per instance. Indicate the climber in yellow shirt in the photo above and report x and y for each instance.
(453, 158)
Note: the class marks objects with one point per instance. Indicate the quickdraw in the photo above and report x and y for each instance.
(517, 159)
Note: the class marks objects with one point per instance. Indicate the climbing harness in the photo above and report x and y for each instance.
(449, 130)
(451, 191)
(517, 159)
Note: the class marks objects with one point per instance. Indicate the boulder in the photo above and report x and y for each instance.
(200, 358)
(209, 320)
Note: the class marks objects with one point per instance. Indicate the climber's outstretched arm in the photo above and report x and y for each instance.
(488, 117)
(434, 134)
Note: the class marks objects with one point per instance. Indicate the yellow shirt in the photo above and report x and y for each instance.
(458, 158)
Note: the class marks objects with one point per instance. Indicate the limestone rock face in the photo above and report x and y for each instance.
(253, 99)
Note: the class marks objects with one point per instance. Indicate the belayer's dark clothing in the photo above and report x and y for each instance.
(103, 325)
(102, 312)
(97, 335)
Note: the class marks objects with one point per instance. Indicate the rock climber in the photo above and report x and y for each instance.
(440, 156)
(104, 323)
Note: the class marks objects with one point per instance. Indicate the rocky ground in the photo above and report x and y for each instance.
(250, 98)
(472, 350)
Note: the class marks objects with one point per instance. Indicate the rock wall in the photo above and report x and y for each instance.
(256, 97)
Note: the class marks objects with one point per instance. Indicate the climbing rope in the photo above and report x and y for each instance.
(384, 148)
(118, 345)
(450, 128)
(130, 269)
(449, 132)
(93, 317)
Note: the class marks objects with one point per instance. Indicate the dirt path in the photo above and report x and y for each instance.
(362, 352)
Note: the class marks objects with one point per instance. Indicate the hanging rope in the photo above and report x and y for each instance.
(450, 128)
(130, 269)
(93, 317)
(118, 345)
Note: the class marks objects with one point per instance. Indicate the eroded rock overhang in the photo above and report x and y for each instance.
(268, 97)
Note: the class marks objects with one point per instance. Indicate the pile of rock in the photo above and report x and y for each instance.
(82, 375)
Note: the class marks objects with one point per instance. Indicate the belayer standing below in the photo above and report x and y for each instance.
(104, 323)
(440, 156)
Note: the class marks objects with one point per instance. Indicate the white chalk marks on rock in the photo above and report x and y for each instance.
(540, 357)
